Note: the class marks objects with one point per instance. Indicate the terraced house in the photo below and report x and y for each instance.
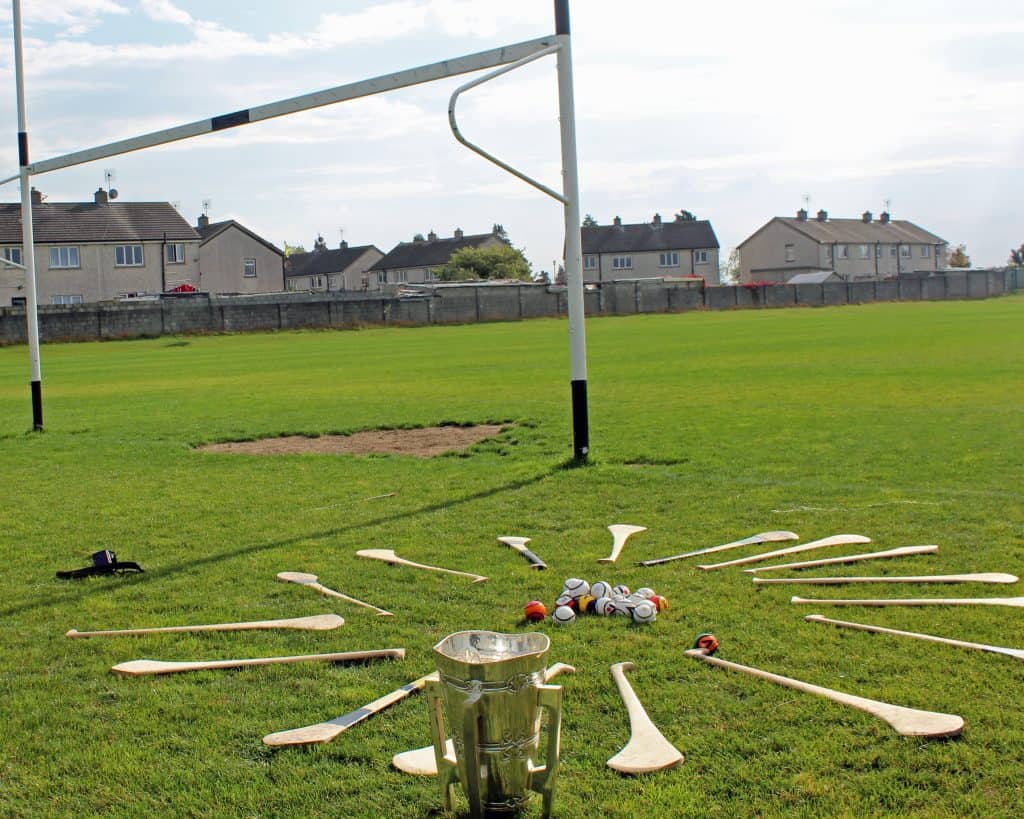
(865, 248)
(92, 251)
(679, 249)
(414, 262)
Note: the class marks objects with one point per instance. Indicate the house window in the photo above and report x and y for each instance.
(892, 250)
(382, 277)
(622, 262)
(905, 251)
(926, 251)
(864, 251)
(842, 251)
(64, 257)
(590, 262)
(401, 276)
(128, 256)
(175, 254)
(790, 253)
(71, 298)
(249, 270)
(828, 251)
(700, 257)
(668, 260)
(12, 254)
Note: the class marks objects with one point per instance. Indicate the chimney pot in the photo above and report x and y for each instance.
(203, 221)
(801, 215)
(866, 217)
(458, 233)
(100, 197)
(431, 237)
(617, 221)
(657, 219)
(37, 196)
(344, 244)
(822, 215)
(884, 217)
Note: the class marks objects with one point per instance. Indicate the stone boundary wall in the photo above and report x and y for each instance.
(473, 303)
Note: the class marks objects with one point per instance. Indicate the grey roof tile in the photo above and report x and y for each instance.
(84, 222)
(428, 253)
(325, 261)
(690, 235)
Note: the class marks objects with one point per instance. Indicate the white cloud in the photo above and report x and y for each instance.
(78, 16)
(164, 11)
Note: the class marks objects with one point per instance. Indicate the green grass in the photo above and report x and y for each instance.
(900, 422)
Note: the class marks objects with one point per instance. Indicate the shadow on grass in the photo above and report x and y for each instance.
(90, 586)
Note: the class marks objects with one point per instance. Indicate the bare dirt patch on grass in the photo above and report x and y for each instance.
(423, 443)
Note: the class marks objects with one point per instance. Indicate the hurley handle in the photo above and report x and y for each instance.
(535, 562)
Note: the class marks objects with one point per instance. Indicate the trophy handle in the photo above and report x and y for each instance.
(549, 697)
(471, 751)
(448, 772)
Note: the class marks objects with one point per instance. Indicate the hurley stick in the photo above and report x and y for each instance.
(764, 537)
(985, 577)
(1016, 653)
(647, 750)
(620, 531)
(310, 580)
(519, 544)
(903, 551)
(834, 540)
(421, 762)
(326, 731)
(909, 722)
(135, 668)
(1016, 602)
(318, 622)
(388, 556)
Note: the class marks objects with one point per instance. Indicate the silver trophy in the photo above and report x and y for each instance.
(491, 690)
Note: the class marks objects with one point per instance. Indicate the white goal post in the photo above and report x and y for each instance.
(507, 57)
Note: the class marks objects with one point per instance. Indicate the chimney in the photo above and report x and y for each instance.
(37, 197)
(866, 217)
(203, 221)
(656, 221)
(100, 197)
(801, 215)
(884, 217)
(431, 237)
(617, 221)
(319, 245)
(822, 215)
(343, 245)
(458, 233)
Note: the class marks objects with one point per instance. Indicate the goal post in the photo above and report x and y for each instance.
(509, 56)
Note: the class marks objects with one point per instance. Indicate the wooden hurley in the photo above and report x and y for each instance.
(985, 577)
(1016, 653)
(326, 731)
(620, 531)
(422, 762)
(310, 580)
(318, 622)
(1016, 602)
(647, 749)
(903, 551)
(388, 556)
(909, 722)
(764, 537)
(519, 545)
(834, 540)
(135, 668)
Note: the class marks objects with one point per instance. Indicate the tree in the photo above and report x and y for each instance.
(589, 221)
(500, 232)
(543, 277)
(959, 257)
(293, 250)
(1017, 256)
(498, 262)
(729, 272)
(685, 216)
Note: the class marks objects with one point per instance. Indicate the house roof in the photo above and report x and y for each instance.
(855, 231)
(321, 262)
(817, 277)
(428, 253)
(214, 229)
(91, 222)
(689, 235)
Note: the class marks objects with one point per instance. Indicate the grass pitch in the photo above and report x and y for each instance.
(901, 422)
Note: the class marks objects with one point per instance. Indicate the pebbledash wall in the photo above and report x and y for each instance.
(473, 303)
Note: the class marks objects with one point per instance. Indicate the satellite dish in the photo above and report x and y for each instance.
(113, 193)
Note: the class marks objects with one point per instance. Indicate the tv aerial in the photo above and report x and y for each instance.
(110, 175)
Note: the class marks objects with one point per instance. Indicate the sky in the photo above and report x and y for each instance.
(734, 111)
